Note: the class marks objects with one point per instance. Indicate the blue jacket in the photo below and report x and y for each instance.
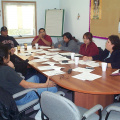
(114, 58)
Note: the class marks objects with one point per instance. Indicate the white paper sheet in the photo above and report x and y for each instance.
(44, 47)
(39, 60)
(60, 58)
(53, 72)
(86, 76)
(66, 54)
(40, 56)
(56, 49)
(84, 70)
(49, 68)
(89, 63)
(25, 54)
(42, 52)
(50, 63)
(51, 53)
(117, 71)
(69, 54)
(35, 50)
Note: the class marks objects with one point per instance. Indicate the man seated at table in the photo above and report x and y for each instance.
(42, 38)
(6, 39)
(13, 83)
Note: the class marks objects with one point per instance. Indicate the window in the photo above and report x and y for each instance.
(19, 18)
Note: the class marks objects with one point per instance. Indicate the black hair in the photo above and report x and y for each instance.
(114, 39)
(4, 51)
(41, 29)
(88, 35)
(68, 35)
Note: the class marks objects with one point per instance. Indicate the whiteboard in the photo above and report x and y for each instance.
(54, 20)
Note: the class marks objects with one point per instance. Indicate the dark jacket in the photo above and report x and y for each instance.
(8, 106)
(114, 58)
(20, 65)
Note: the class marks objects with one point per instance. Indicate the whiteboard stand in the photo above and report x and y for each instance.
(54, 21)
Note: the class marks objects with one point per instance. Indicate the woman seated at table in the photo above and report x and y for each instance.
(68, 43)
(89, 48)
(111, 54)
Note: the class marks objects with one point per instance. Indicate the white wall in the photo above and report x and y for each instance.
(72, 8)
(78, 27)
(41, 5)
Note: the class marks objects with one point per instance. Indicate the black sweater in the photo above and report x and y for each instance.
(114, 59)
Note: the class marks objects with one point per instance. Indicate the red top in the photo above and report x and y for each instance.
(91, 49)
(46, 37)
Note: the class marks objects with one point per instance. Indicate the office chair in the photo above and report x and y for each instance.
(111, 112)
(19, 109)
(56, 107)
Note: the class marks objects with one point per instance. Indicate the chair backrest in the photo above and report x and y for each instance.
(8, 108)
(56, 107)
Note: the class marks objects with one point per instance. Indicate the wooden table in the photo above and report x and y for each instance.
(87, 93)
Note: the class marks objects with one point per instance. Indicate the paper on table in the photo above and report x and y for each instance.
(40, 57)
(84, 70)
(82, 62)
(69, 62)
(39, 60)
(93, 64)
(88, 76)
(76, 54)
(60, 58)
(53, 72)
(44, 47)
(36, 50)
(42, 52)
(66, 54)
(49, 67)
(117, 71)
(25, 54)
(56, 49)
(48, 56)
(69, 54)
(51, 53)
(89, 63)
(50, 63)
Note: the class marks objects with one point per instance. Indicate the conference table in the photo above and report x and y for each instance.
(86, 93)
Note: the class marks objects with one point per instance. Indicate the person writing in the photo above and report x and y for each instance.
(42, 38)
(68, 43)
(89, 48)
(13, 83)
(111, 54)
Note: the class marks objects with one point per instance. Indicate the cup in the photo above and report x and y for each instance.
(36, 45)
(72, 56)
(18, 48)
(25, 46)
(104, 66)
(76, 60)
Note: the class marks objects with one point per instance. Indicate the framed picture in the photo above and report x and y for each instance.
(96, 9)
